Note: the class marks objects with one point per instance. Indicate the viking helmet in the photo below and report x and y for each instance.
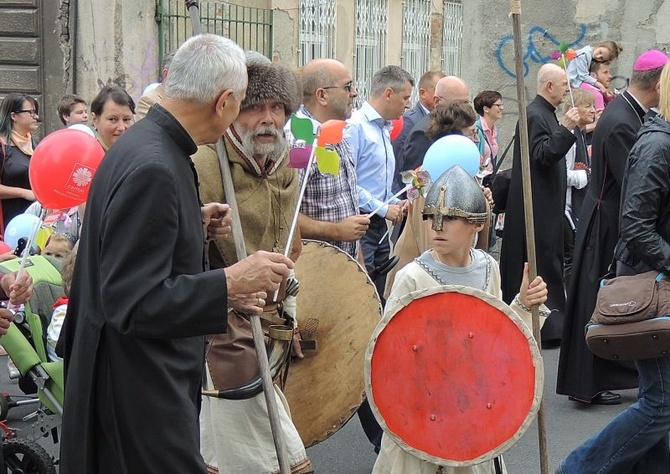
(455, 194)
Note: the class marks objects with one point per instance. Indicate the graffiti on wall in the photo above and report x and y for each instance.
(142, 70)
(540, 44)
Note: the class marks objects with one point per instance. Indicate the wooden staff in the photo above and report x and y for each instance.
(528, 208)
(256, 328)
(241, 251)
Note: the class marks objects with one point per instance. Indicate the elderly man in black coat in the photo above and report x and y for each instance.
(549, 141)
(581, 375)
(141, 303)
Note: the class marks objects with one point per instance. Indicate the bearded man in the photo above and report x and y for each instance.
(236, 434)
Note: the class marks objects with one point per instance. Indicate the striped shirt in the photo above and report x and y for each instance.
(329, 198)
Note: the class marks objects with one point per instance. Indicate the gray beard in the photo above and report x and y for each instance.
(272, 151)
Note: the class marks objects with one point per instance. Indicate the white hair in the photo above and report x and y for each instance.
(204, 66)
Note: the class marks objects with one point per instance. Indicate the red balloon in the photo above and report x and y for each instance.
(4, 248)
(62, 168)
(396, 127)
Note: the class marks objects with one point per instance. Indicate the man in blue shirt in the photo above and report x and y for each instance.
(368, 135)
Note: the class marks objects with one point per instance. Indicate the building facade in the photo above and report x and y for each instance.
(52, 47)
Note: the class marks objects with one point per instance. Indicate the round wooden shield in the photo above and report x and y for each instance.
(453, 375)
(338, 309)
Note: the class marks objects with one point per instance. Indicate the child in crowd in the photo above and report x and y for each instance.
(63, 221)
(578, 68)
(60, 307)
(72, 110)
(58, 246)
(457, 209)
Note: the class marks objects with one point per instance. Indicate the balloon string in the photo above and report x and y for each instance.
(406, 188)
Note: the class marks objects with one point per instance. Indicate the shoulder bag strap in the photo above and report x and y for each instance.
(502, 159)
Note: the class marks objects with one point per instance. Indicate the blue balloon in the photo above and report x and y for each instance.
(20, 227)
(449, 151)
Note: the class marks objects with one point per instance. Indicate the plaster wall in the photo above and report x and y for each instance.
(117, 41)
(488, 60)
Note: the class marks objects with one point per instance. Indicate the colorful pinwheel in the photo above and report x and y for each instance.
(417, 182)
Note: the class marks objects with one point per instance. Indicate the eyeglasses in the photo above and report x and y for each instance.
(32, 112)
(347, 87)
(499, 105)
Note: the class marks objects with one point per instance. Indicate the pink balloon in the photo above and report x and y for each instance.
(4, 248)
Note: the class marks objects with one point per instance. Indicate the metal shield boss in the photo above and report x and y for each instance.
(338, 308)
(453, 375)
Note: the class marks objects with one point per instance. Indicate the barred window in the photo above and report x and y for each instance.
(452, 38)
(416, 40)
(317, 30)
(371, 25)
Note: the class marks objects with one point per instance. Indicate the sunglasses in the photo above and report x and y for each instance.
(347, 87)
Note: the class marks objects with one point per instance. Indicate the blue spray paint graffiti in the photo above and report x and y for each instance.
(532, 52)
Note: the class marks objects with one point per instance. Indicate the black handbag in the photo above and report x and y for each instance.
(631, 319)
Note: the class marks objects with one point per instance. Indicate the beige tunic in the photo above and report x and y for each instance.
(392, 459)
(235, 434)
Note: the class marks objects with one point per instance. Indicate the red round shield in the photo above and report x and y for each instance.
(453, 375)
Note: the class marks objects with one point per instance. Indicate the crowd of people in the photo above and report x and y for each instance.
(167, 316)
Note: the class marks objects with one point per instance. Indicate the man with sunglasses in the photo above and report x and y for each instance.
(329, 210)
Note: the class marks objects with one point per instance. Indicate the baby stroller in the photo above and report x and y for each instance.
(25, 343)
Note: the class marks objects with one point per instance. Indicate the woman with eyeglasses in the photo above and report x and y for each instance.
(489, 107)
(18, 122)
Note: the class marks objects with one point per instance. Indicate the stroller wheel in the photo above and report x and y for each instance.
(26, 457)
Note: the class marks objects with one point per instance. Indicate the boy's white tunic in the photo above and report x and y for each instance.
(483, 273)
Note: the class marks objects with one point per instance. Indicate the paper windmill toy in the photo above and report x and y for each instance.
(564, 55)
(327, 134)
(417, 182)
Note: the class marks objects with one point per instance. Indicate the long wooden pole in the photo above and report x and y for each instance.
(193, 10)
(256, 328)
(528, 208)
(241, 251)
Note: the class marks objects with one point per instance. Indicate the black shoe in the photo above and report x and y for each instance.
(603, 398)
(606, 398)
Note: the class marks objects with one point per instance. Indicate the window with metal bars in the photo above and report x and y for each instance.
(371, 26)
(452, 38)
(317, 30)
(416, 40)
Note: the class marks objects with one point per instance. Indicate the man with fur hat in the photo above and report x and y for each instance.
(236, 435)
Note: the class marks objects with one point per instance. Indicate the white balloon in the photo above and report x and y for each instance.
(150, 87)
(83, 128)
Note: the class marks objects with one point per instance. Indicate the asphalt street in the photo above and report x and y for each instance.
(349, 452)
(568, 424)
